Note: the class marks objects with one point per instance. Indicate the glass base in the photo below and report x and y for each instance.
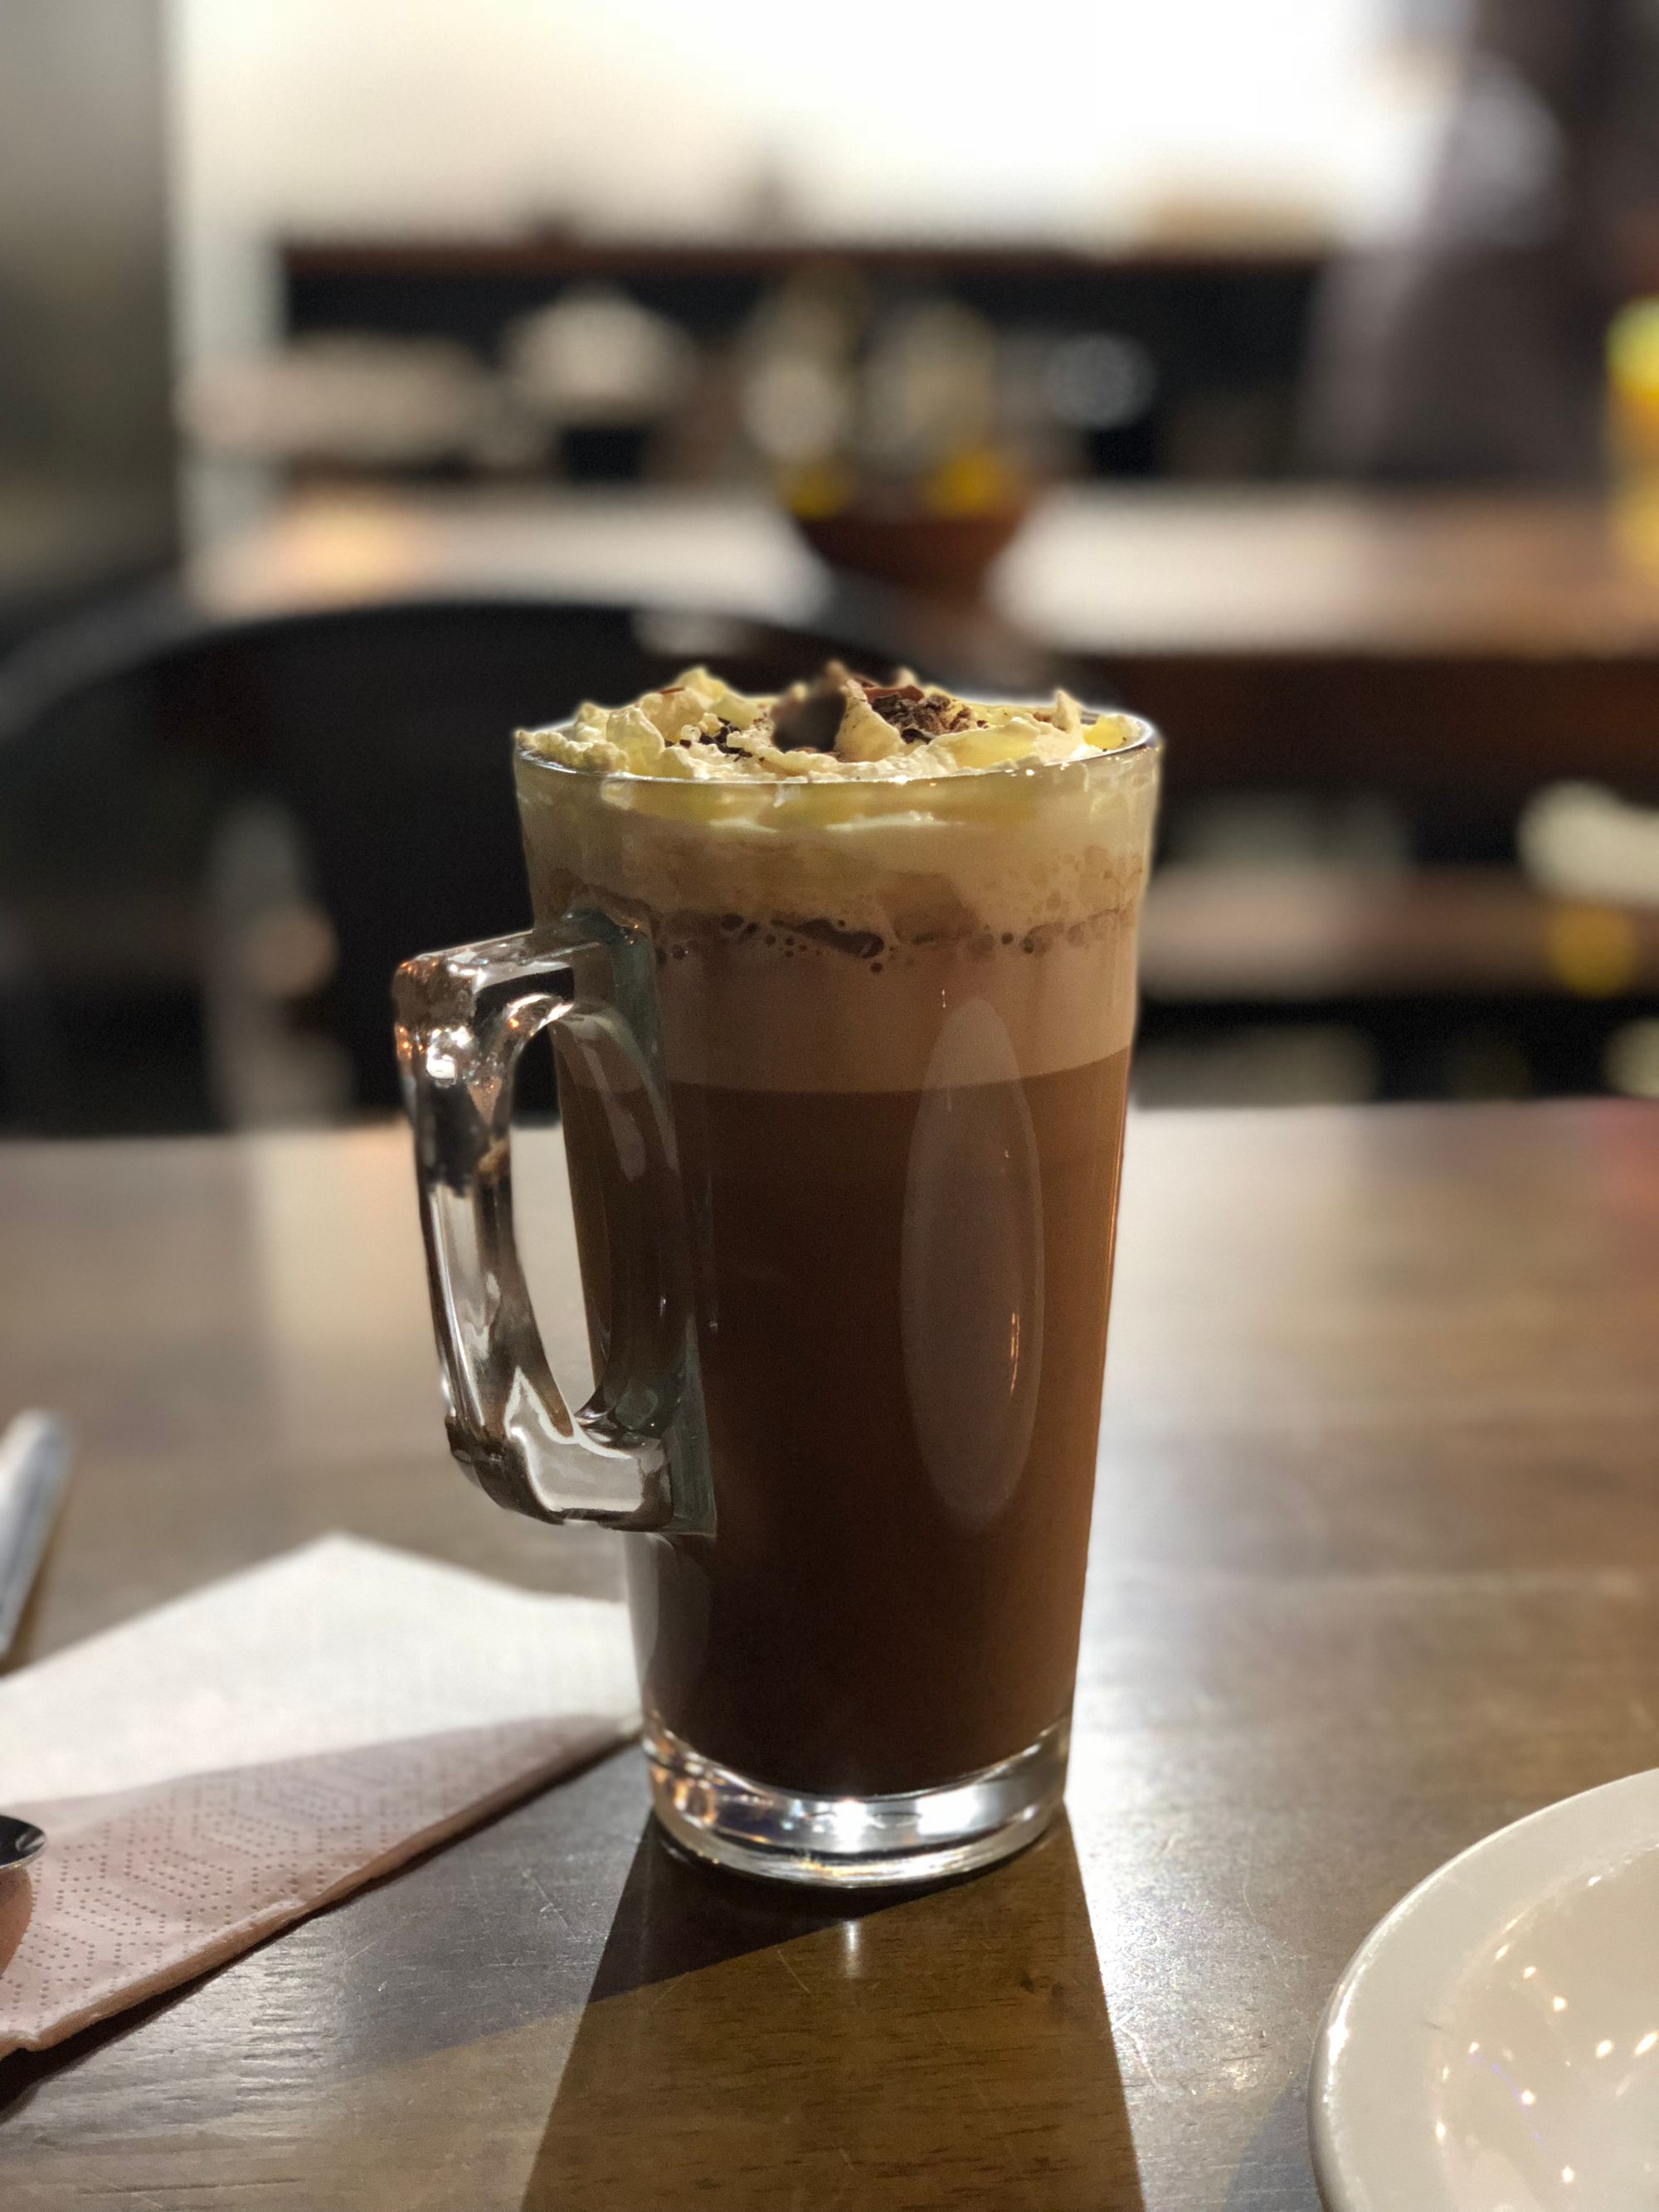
(856, 1843)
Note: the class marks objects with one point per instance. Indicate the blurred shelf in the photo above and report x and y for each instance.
(1222, 318)
(559, 256)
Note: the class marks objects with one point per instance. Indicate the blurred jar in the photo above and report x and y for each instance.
(798, 368)
(599, 375)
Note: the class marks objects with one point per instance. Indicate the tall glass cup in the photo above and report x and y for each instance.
(843, 1068)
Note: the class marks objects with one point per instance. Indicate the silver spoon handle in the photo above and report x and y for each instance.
(35, 1465)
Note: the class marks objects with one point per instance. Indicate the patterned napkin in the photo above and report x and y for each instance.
(212, 1771)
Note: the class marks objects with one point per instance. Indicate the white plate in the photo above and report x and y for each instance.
(1494, 2044)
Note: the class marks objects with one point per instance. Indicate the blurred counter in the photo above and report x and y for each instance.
(1125, 571)
(644, 548)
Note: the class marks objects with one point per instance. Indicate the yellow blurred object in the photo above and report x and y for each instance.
(819, 487)
(1633, 383)
(975, 480)
(1592, 949)
(1636, 518)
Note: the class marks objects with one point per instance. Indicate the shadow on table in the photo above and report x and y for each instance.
(743, 2045)
(1277, 2167)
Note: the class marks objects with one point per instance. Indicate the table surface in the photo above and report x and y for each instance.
(1121, 571)
(1373, 1572)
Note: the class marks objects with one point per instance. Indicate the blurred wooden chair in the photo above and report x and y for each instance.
(322, 793)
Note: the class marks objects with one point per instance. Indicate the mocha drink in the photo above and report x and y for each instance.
(892, 937)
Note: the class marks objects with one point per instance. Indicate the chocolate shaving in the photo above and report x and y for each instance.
(811, 716)
(917, 714)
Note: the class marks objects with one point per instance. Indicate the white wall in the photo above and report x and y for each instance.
(1061, 116)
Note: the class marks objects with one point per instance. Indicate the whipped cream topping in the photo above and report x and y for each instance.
(840, 727)
(815, 911)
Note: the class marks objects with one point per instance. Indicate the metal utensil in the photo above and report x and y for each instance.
(19, 1841)
(35, 1465)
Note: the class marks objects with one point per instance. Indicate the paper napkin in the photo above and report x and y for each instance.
(219, 1767)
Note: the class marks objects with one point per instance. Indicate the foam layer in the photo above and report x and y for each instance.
(999, 851)
(816, 933)
(820, 1024)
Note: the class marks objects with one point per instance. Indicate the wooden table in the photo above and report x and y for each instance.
(1375, 1571)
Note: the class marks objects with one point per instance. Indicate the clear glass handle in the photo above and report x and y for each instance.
(635, 1455)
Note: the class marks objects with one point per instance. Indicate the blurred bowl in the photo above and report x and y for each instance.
(926, 551)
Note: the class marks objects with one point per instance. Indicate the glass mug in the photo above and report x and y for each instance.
(841, 1067)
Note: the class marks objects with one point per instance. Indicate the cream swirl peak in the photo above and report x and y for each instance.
(839, 727)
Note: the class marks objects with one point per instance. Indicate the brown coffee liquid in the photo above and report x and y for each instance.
(901, 1300)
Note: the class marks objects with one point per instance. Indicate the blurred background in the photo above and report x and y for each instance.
(373, 380)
